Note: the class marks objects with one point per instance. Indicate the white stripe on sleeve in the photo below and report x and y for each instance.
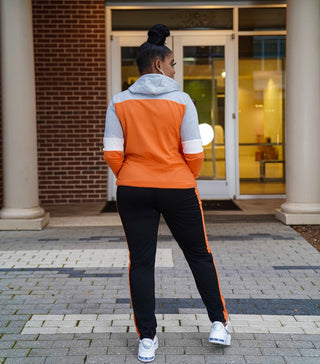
(113, 144)
(192, 146)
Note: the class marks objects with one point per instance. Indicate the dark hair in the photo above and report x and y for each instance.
(153, 48)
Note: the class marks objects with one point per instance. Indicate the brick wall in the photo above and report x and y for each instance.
(1, 175)
(70, 68)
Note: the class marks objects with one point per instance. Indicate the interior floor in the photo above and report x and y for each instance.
(262, 188)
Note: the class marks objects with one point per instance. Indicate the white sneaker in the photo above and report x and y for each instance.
(219, 334)
(147, 349)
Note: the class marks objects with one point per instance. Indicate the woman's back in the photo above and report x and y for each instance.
(155, 118)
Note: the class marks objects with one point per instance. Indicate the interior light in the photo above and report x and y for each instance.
(223, 74)
(206, 133)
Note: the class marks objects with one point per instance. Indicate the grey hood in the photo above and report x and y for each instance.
(154, 84)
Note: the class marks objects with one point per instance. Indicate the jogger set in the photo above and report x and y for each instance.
(140, 210)
(152, 144)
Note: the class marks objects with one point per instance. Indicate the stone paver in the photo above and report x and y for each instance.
(64, 297)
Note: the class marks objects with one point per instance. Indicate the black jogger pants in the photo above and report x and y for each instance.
(140, 210)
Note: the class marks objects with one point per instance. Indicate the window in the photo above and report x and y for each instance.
(174, 19)
(262, 19)
(261, 114)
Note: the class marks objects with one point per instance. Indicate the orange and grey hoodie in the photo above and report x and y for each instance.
(152, 136)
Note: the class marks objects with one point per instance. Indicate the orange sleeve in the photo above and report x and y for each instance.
(194, 162)
(114, 160)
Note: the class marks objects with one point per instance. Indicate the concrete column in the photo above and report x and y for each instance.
(20, 169)
(302, 114)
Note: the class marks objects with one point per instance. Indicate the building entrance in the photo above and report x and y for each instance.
(205, 70)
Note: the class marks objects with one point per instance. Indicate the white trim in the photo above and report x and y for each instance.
(213, 190)
(142, 33)
(236, 103)
(111, 189)
(262, 32)
(188, 5)
(108, 53)
(260, 197)
(192, 146)
(230, 110)
(113, 144)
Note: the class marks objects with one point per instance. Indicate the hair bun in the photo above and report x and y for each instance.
(157, 34)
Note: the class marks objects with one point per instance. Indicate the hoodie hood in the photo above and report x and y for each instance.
(154, 84)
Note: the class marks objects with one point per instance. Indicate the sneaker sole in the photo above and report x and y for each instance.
(226, 342)
(146, 360)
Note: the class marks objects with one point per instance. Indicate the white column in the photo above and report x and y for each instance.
(302, 114)
(20, 170)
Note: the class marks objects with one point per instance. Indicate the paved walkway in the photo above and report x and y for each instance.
(64, 296)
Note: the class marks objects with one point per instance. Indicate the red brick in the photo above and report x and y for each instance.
(71, 95)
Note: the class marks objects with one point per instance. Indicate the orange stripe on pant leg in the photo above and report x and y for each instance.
(225, 312)
(203, 223)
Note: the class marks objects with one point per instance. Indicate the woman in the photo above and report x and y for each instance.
(152, 144)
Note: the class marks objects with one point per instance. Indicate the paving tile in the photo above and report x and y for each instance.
(224, 359)
(79, 311)
(310, 352)
(294, 344)
(106, 359)
(65, 359)
(15, 353)
(280, 352)
(301, 360)
(189, 359)
(47, 352)
(39, 360)
(27, 344)
(264, 359)
(80, 350)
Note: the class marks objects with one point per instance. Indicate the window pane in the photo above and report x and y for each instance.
(261, 114)
(204, 81)
(129, 69)
(262, 19)
(174, 19)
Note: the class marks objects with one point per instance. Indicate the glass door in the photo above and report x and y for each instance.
(205, 71)
(123, 72)
(261, 96)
